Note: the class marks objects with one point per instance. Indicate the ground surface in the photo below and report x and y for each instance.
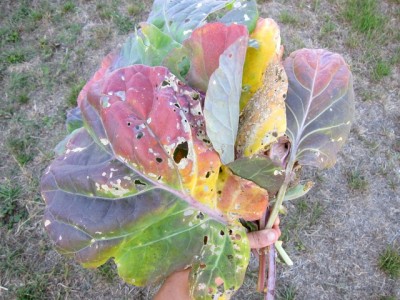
(334, 235)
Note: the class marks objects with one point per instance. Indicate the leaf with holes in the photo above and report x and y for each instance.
(319, 106)
(263, 120)
(221, 107)
(134, 181)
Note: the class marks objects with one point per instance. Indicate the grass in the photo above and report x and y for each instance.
(287, 293)
(135, 8)
(33, 290)
(68, 7)
(357, 181)
(10, 211)
(381, 70)
(364, 15)
(74, 92)
(287, 17)
(389, 262)
(108, 271)
(20, 149)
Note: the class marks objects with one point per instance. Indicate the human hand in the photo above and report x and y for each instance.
(176, 286)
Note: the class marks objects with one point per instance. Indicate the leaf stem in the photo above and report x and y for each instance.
(283, 254)
(271, 274)
(271, 250)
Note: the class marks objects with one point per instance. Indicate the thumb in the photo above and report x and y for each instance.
(262, 238)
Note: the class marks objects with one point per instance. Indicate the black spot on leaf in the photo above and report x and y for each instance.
(205, 240)
(159, 159)
(139, 135)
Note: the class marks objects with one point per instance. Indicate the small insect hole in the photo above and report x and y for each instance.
(205, 240)
(129, 124)
(200, 216)
(222, 232)
(208, 174)
(139, 135)
(159, 159)
(138, 182)
(180, 152)
(230, 231)
(165, 83)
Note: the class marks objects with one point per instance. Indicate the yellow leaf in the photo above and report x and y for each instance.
(263, 120)
(268, 38)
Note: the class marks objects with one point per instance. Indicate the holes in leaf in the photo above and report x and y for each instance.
(139, 135)
(139, 183)
(200, 216)
(187, 20)
(129, 124)
(208, 174)
(180, 152)
(196, 97)
(205, 240)
(230, 257)
(165, 83)
(284, 96)
(202, 266)
(274, 134)
(230, 231)
(159, 159)
(222, 233)
(177, 105)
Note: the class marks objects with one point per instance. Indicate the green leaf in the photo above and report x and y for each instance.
(148, 46)
(221, 107)
(242, 12)
(260, 170)
(223, 258)
(319, 106)
(178, 19)
(298, 191)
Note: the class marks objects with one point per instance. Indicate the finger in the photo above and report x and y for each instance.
(277, 221)
(278, 230)
(262, 238)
